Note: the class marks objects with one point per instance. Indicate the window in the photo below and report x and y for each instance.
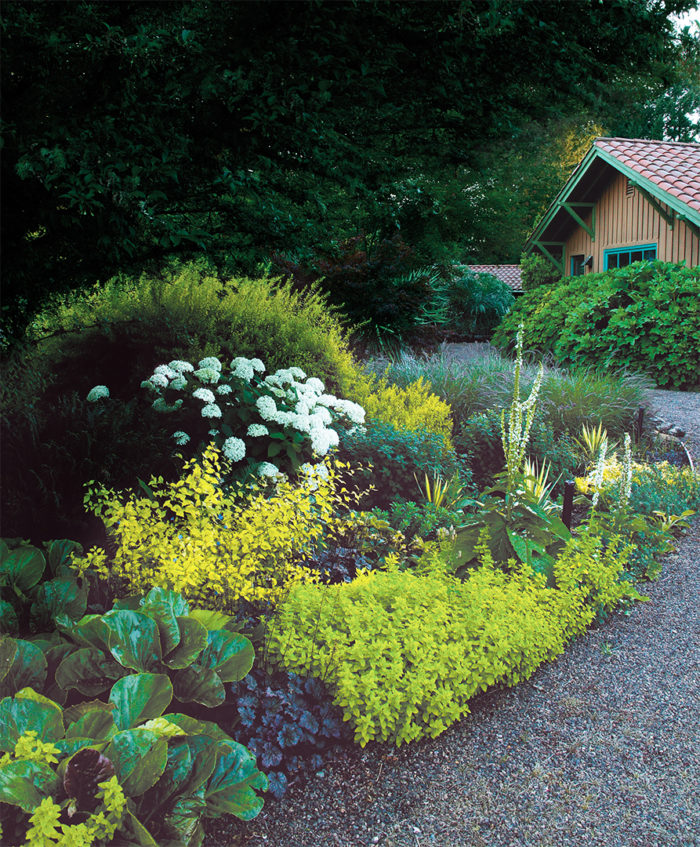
(577, 268)
(626, 255)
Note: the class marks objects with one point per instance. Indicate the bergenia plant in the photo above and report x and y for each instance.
(269, 424)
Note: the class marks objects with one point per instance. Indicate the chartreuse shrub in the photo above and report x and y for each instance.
(404, 654)
(643, 317)
(37, 586)
(118, 769)
(215, 548)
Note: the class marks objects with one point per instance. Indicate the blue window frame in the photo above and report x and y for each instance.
(577, 268)
(620, 258)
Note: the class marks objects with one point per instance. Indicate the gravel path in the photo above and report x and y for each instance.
(598, 749)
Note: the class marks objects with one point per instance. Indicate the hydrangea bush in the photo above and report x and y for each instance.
(276, 423)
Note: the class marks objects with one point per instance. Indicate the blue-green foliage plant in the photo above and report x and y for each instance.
(389, 460)
(288, 721)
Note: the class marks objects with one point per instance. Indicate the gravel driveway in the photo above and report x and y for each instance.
(598, 749)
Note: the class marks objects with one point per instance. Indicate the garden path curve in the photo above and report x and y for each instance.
(597, 749)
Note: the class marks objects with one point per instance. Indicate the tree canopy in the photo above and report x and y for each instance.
(135, 130)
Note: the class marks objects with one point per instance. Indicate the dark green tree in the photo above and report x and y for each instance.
(134, 130)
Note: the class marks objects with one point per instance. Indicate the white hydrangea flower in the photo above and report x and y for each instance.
(317, 470)
(213, 432)
(234, 449)
(273, 379)
(97, 393)
(180, 366)
(223, 389)
(178, 383)
(266, 406)
(283, 418)
(204, 394)
(166, 370)
(207, 375)
(267, 469)
(297, 373)
(327, 400)
(322, 440)
(242, 368)
(256, 430)
(315, 385)
(352, 411)
(321, 417)
(302, 423)
(303, 407)
(258, 366)
(211, 362)
(181, 438)
(158, 380)
(211, 410)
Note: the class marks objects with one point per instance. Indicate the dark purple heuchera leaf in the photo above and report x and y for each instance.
(83, 773)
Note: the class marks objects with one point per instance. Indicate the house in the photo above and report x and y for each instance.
(629, 199)
(510, 274)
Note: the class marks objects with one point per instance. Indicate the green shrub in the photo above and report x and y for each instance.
(390, 459)
(535, 271)
(644, 317)
(476, 302)
(404, 654)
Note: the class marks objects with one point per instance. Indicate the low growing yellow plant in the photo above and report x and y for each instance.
(216, 549)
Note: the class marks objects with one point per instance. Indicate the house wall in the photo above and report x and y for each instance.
(624, 220)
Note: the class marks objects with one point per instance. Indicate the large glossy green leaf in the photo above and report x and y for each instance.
(28, 669)
(8, 652)
(9, 622)
(165, 607)
(210, 619)
(25, 784)
(193, 639)
(140, 697)
(139, 758)
(97, 724)
(230, 654)
(19, 714)
(89, 670)
(59, 554)
(199, 685)
(195, 726)
(231, 789)
(190, 763)
(89, 631)
(22, 567)
(137, 832)
(74, 713)
(134, 640)
(185, 820)
(60, 596)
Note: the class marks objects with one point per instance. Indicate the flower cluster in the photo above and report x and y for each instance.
(283, 416)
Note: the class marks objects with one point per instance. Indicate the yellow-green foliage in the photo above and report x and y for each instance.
(414, 407)
(590, 568)
(213, 548)
(188, 313)
(404, 653)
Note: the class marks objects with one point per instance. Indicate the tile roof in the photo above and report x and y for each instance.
(510, 274)
(673, 166)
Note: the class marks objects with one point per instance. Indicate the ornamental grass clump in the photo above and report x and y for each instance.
(285, 416)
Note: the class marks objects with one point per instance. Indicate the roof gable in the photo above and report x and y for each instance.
(510, 274)
(667, 170)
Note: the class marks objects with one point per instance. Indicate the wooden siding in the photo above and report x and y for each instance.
(625, 220)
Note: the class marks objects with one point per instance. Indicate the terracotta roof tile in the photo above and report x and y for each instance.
(510, 274)
(672, 165)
